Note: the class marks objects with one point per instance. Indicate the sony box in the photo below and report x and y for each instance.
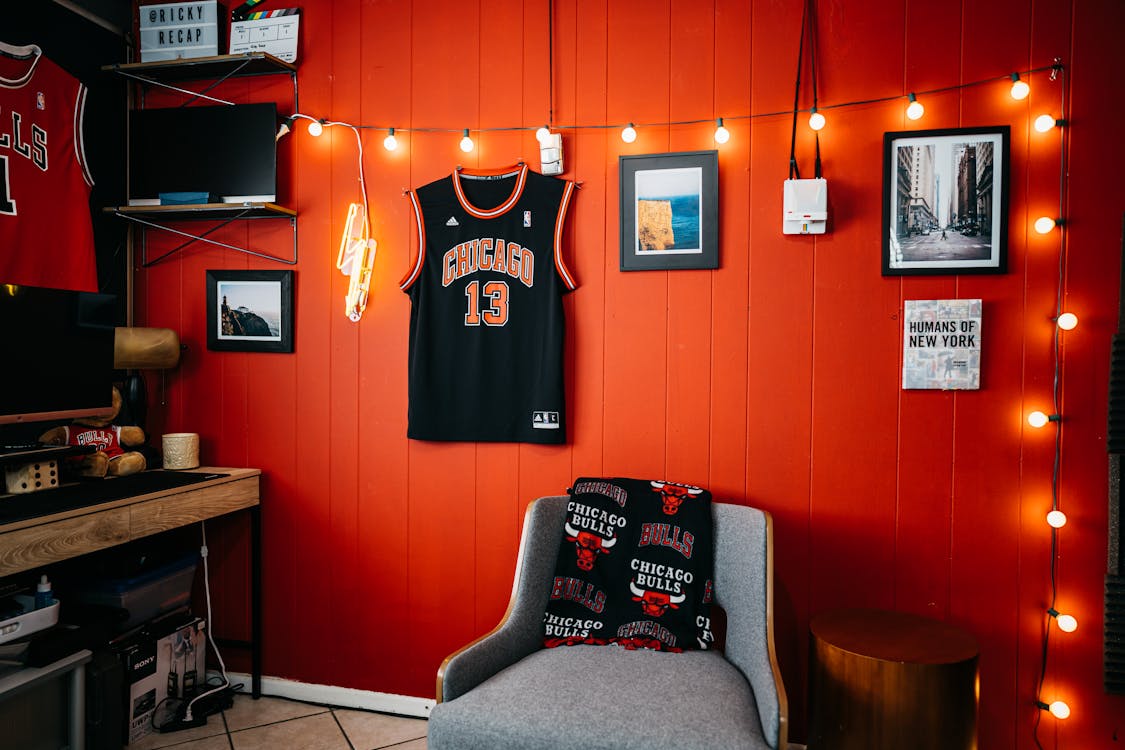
(161, 665)
(171, 31)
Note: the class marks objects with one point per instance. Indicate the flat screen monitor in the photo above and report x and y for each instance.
(58, 354)
(228, 151)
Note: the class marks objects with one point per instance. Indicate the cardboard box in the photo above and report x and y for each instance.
(171, 31)
(164, 660)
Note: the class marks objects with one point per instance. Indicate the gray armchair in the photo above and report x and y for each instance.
(505, 691)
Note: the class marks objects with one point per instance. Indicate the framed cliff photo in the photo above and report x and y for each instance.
(945, 201)
(670, 211)
(250, 311)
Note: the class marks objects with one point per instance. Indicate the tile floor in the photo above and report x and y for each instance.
(273, 723)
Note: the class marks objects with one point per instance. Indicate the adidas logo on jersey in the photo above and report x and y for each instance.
(545, 420)
(452, 222)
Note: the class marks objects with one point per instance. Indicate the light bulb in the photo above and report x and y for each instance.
(1020, 89)
(1044, 224)
(315, 128)
(629, 134)
(1037, 419)
(542, 134)
(1056, 519)
(466, 141)
(390, 142)
(816, 120)
(1059, 709)
(1067, 321)
(1067, 624)
(722, 135)
(915, 109)
(1043, 123)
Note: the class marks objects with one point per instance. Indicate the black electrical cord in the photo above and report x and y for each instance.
(1056, 353)
(794, 170)
(812, 57)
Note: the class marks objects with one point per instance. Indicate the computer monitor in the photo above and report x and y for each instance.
(228, 151)
(58, 354)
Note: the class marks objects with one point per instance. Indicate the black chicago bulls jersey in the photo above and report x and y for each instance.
(486, 318)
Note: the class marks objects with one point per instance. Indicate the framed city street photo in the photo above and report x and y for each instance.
(670, 211)
(945, 201)
(250, 311)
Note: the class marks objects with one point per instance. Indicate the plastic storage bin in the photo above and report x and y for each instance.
(31, 621)
(147, 594)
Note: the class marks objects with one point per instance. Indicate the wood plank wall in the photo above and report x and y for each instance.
(774, 380)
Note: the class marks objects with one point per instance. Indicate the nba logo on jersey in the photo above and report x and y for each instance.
(527, 218)
(40, 100)
(545, 420)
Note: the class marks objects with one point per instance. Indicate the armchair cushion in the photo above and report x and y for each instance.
(634, 567)
(586, 696)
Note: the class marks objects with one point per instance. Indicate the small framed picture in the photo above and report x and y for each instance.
(250, 311)
(945, 201)
(670, 211)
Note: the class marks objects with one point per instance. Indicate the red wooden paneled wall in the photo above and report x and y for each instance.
(775, 380)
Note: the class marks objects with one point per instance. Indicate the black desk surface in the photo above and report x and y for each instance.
(82, 493)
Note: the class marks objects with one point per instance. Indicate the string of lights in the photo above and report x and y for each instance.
(914, 111)
(1064, 321)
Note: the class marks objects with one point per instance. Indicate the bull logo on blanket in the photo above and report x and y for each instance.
(588, 546)
(673, 495)
(655, 603)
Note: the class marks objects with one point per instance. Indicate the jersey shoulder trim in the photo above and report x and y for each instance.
(416, 269)
(79, 141)
(560, 265)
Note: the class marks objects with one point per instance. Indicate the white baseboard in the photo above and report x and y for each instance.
(331, 695)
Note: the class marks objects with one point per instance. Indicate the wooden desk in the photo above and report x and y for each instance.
(35, 542)
(891, 680)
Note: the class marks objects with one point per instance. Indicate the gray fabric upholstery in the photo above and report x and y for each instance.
(505, 691)
(522, 631)
(741, 589)
(604, 697)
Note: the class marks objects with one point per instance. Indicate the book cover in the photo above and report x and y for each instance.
(941, 344)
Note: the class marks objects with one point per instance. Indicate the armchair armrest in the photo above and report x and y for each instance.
(520, 631)
(744, 588)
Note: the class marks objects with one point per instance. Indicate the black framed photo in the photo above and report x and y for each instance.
(250, 311)
(670, 211)
(945, 201)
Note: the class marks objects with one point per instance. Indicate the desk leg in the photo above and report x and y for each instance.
(256, 601)
(78, 707)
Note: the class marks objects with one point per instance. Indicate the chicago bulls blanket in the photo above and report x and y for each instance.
(634, 567)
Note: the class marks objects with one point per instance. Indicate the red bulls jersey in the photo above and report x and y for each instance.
(46, 238)
(105, 439)
(486, 318)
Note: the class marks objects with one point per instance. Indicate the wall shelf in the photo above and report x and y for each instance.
(215, 66)
(215, 69)
(156, 217)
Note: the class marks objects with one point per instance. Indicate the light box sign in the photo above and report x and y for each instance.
(171, 31)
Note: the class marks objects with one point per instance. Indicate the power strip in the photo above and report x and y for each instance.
(205, 706)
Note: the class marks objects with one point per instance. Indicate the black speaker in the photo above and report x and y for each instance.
(1115, 435)
(105, 702)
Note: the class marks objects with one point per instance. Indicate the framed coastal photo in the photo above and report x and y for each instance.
(670, 211)
(250, 311)
(945, 201)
